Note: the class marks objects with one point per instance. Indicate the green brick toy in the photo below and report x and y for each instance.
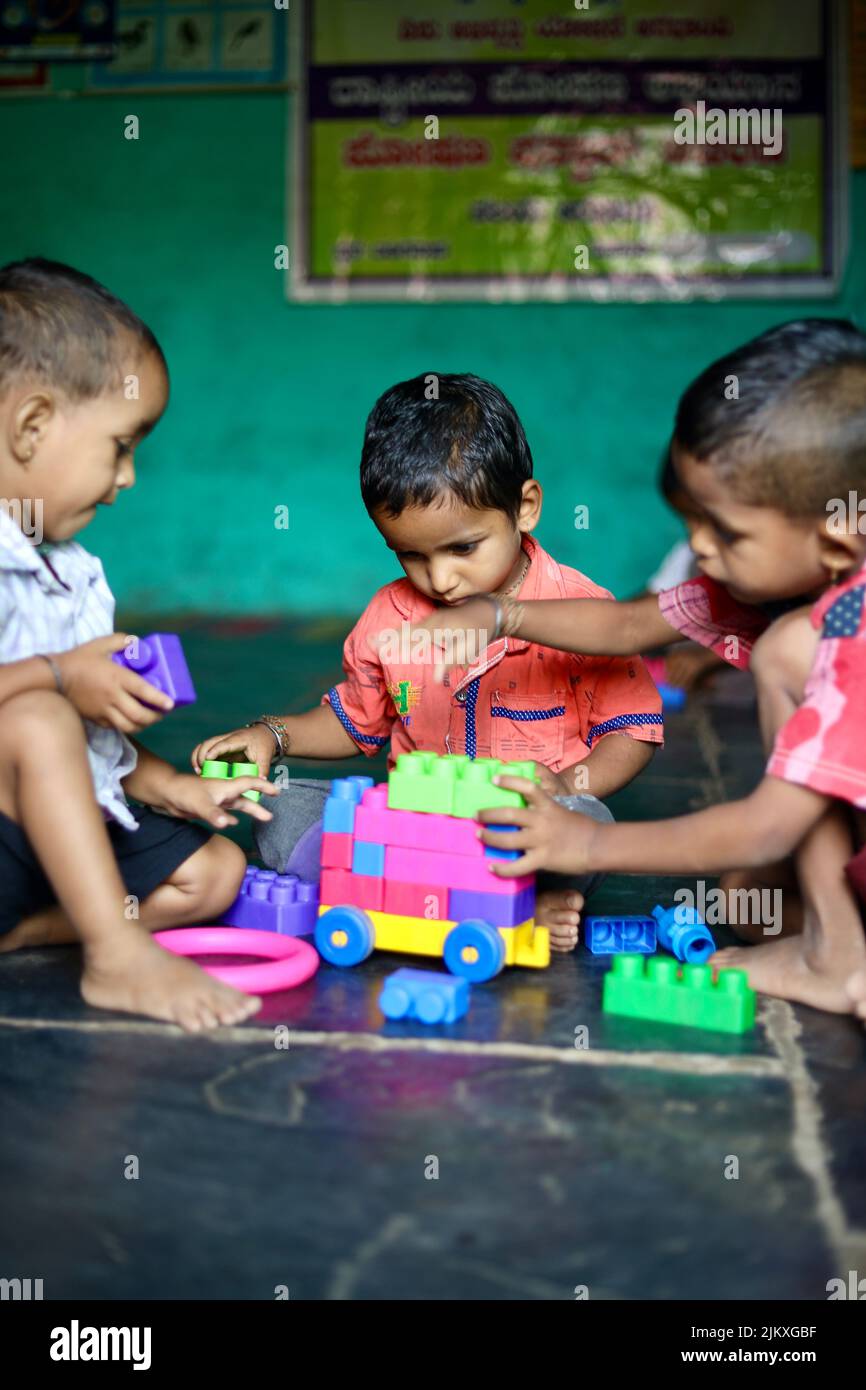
(453, 784)
(657, 988)
(213, 768)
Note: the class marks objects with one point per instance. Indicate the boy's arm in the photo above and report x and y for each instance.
(34, 673)
(154, 782)
(760, 829)
(317, 733)
(614, 762)
(588, 626)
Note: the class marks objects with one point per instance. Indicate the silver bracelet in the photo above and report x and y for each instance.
(55, 671)
(274, 732)
(498, 616)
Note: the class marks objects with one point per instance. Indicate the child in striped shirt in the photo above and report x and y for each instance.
(82, 381)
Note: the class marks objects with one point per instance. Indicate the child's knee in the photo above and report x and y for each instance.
(37, 720)
(216, 874)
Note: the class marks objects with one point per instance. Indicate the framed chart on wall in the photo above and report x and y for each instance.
(190, 44)
(471, 148)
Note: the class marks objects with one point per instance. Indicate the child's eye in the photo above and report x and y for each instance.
(726, 537)
(123, 449)
(465, 548)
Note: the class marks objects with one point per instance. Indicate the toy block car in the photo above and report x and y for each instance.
(404, 870)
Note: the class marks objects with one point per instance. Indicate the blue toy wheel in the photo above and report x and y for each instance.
(344, 935)
(474, 950)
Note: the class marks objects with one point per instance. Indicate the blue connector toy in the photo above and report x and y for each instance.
(682, 931)
(430, 996)
(609, 936)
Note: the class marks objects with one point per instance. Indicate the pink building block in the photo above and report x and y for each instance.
(428, 866)
(416, 899)
(375, 821)
(336, 850)
(338, 888)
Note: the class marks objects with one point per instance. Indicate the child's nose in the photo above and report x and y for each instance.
(442, 579)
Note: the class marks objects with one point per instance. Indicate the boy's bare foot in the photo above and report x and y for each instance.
(794, 969)
(856, 991)
(559, 911)
(137, 976)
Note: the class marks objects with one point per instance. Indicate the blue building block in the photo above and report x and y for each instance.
(426, 995)
(683, 932)
(503, 853)
(499, 909)
(368, 859)
(608, 936)
(346, 792)
(673, 696)
(280, 903)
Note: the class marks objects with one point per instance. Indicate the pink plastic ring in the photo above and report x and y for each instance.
(289, 961)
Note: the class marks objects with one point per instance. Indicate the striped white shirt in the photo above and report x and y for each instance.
(41, 611)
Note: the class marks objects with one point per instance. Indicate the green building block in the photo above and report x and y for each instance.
(475, 790)
(453, 784)
(657, 988)
(213, 768)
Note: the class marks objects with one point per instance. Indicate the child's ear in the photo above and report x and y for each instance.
(29, 420)
(530, 506)
(841, 547)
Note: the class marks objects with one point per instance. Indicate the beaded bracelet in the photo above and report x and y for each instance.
(277, 728)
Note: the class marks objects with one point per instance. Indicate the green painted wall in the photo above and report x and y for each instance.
(269, 399)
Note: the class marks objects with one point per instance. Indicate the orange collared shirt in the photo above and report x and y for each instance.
(519, 700)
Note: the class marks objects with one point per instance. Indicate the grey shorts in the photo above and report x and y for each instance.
(291, 842)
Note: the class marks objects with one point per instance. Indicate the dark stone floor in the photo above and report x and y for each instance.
(313, 1167)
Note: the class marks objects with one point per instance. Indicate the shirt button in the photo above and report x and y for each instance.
(460, 697)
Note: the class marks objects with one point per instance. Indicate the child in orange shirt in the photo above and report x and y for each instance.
(446, 476)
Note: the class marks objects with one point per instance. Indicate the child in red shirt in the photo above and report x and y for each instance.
(770, 448)
(446, 476)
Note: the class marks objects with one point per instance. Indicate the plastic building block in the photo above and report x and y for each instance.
(475, 790)
(428, 866)
(274, 902)
(673, 696)
(160, 660)
(608, 936)
(213, 768)
(426, 995)
(502, 853)
(453, 784)
(658, 989)
(368, 859)
(336, 851)
(428, 900)
(414, 829)
(682, 931)
(346, 793)
(499, 909)
(338, 887)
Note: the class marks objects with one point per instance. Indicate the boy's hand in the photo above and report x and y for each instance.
(257, 745)
(463, 631)
(550, 837)
(107, 694)
(210, 799)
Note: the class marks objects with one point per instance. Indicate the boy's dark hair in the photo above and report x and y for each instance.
(783, 419)
(444, 432)
(63, 328)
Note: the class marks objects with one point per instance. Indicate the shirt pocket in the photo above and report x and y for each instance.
(528, 726)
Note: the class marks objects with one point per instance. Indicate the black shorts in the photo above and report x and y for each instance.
(146, 857)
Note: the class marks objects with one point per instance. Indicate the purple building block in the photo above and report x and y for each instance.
(280, 903)
(499, 909)
(429, 996)
(160, 660)
(613, 936)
